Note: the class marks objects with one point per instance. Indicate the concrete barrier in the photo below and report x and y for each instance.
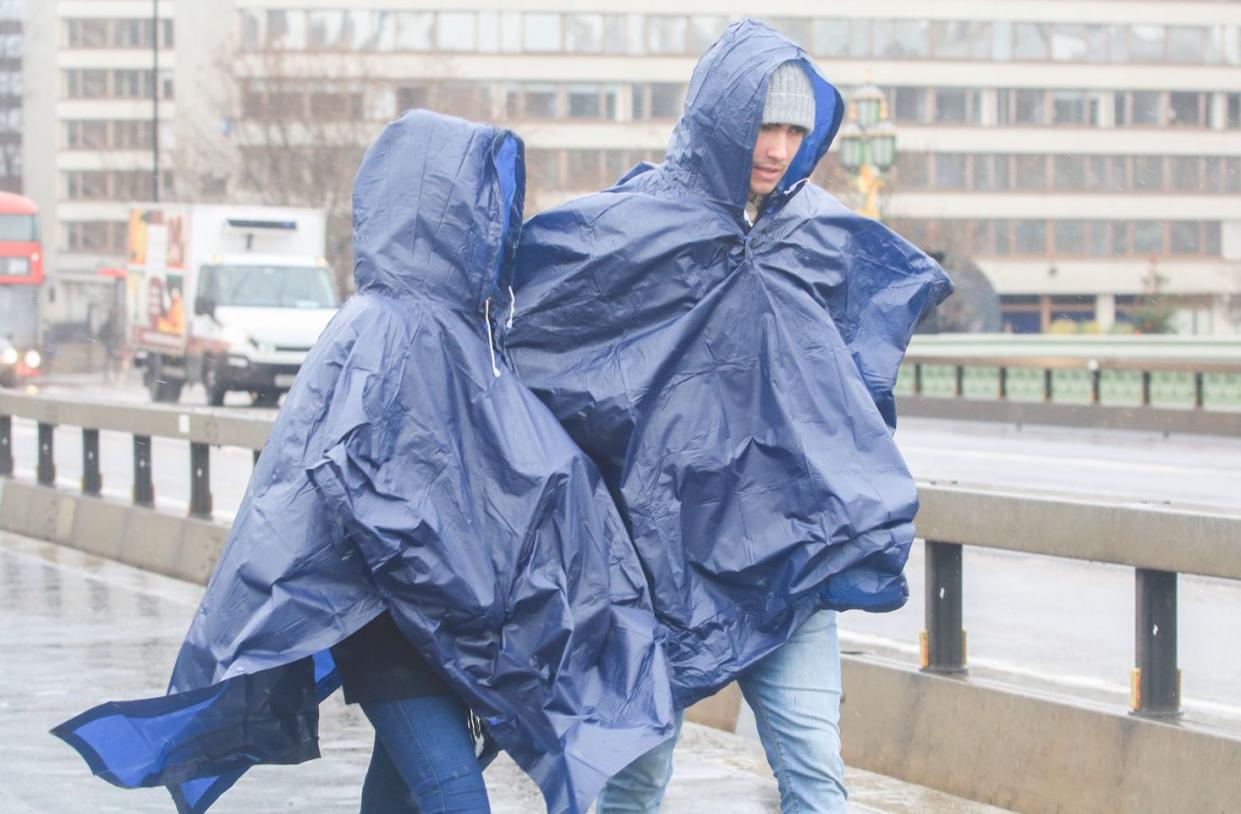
(968, 737)
(1028, 752)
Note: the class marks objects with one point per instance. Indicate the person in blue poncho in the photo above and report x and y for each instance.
(722, 338)
(419, 525)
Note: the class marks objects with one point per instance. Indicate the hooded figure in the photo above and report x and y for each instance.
(733, 384)
(409, 471)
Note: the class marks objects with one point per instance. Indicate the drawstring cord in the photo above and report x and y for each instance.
(491, 344)
(512, 309)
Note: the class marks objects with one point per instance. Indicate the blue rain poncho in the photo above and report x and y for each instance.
(410, 471)
(734, 385)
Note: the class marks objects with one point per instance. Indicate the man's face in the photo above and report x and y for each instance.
(776, 146)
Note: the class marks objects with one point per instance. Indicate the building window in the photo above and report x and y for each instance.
(901, 39)
(1188, 43)
(584, 102)
(1186, 109)
(1101, 239)
(86, 83)
(413, 30)
(543, 169)
(1031, 237)
(1147, 237)
(911, 170)
(666, 100)
(458, 31)
(956, 105)
(1074, 107)
(961, 40)
(1002, 237)
(1210, 239)
(910, 105)
(1069, 173)
(1146, 43)
(1148, 173)
(584, 33)
(86, 135)
(542, 32)
(1140, 108)
(1031, 41)
(831, 37)
(1184, 237)
(798, 29)
(665, 34)
(1186, 174)
(1069, 237)
(325, 29)
(582, 169)
(705, 29)
(286, 30)
(87, 33)
(950, 170)
(542, 101)
(1079, 43)
(1032, 173)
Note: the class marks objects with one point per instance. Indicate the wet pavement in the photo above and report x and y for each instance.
(77, 630)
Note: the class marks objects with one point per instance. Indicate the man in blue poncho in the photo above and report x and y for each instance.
(412, 482)
(722, 338)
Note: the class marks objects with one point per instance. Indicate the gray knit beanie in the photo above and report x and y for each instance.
(790, 98)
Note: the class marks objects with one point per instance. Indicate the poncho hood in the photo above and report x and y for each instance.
(710, 151)
(437, 208)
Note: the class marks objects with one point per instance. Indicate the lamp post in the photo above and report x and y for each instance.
(868, 144)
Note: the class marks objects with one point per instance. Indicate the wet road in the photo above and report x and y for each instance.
(77, 630)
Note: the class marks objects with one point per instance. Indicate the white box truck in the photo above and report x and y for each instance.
(230, 297)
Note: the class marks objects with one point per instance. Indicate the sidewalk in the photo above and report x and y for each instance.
(79, 630)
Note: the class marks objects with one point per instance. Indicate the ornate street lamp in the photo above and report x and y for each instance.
(867, 143)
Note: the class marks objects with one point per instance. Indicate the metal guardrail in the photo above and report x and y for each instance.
(1159, 541)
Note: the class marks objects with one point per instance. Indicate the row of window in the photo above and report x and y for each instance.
(114, 83)
(1037, 107)
(111, 185)
(679, 34)
(115, 134)
(98, 32)
(1066, 238)
(334, 101)
(613, 101)
(1001, 172)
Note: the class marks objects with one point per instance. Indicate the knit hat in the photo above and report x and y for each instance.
(790, 98)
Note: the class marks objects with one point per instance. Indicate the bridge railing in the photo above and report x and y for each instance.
(1158, 541)
(1162, 394)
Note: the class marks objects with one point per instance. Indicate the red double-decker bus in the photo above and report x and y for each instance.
(21, 281)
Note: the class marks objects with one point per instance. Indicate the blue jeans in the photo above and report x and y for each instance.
(423, 762)
(795, 695)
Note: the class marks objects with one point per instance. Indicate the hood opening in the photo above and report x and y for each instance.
(507, 163)
(712, 147)
(828, 113)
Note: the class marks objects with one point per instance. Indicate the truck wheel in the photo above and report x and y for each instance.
(162, 389)
(211, 381)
